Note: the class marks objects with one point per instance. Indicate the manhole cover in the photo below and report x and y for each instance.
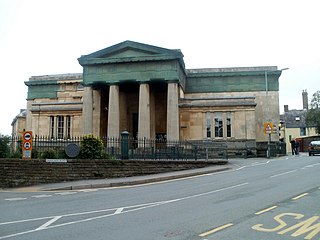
(72, 150)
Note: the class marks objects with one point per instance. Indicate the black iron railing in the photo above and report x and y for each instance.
(131, 148)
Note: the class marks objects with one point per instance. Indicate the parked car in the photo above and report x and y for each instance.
(314, 148)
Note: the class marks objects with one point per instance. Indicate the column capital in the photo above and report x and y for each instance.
(144, 82)
(173, 81)
(113, 83)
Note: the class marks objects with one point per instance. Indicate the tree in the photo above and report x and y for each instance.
(91, 147)
(313, 114)
(4, 146)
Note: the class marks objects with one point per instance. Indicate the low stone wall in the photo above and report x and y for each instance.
(18, 173)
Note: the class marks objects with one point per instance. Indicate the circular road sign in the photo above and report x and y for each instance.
(27, 136)
(27, 145)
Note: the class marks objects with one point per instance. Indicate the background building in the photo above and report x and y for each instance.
(294, 125)
(147, 91)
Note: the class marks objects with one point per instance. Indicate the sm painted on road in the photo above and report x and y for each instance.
(293, 224)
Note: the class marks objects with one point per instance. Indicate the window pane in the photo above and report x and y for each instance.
(68, 127)
(60, 127)
(229, 124)
(51, 127)
(208, 125)
(218, 125)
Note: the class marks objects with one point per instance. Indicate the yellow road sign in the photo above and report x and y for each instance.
(268, 127)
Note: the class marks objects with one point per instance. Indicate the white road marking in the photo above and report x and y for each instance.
(65, 193)
(252, 165)
(119, 210)
(15, 199)
(41, 196)
(48, 223)
(310, 166)
(114, 211)
(284, 173)
(88, 190)
(259, 163)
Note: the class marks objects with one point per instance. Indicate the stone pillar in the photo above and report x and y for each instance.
(29, 117)
(114, 112)
(87, 111)
(172, 112)
(144, 112)
(152, 115)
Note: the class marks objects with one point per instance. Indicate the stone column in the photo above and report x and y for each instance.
(144, 112)
(172, 112)
(152, 115)
(87, 111)
(114, 112)
(29, 116)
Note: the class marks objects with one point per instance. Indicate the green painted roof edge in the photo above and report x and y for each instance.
(94, 61)
(230, 74)
(163, 53)
(41, 82)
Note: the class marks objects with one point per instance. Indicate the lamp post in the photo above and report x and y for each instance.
(267, 108)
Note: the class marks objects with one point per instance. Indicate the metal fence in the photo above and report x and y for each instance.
(120, 148)
(129, 148)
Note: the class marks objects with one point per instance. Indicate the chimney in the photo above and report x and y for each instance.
(286, 108)
(304, 99)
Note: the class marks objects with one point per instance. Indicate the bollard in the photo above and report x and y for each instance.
(125, 145)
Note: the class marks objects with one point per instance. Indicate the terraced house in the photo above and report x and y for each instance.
(148, 91)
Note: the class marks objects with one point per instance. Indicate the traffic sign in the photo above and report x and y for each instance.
(268, 127)
(27, 145)
(27, 136)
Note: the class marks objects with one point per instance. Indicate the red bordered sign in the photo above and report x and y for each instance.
(26, 144)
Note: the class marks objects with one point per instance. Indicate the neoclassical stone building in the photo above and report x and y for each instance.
(147, 91)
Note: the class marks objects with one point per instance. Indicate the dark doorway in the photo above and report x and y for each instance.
(135, 125)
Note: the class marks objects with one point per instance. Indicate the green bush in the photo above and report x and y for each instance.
(16, 154)
(91, 147)
(48, 154)
(4, 146)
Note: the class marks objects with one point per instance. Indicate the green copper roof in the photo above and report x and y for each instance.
(129, 51)
(231, 81)
(132, 62)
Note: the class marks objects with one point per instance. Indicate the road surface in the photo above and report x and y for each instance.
(257, 199)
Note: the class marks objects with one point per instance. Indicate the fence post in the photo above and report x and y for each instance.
(125, 145)
(195, 153)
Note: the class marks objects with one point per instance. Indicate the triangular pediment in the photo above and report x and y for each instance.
(130, 51)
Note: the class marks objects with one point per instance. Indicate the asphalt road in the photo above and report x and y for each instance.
(257, 199)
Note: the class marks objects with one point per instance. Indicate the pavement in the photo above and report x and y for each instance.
(138, 180)
(126, 181)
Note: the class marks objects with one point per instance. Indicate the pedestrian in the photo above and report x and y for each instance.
(297, 147)
(293, 146)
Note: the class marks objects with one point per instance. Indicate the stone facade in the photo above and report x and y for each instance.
(147, 91)
(54, 105)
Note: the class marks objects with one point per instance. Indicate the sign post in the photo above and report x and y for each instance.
(268, 129)
(27, 145)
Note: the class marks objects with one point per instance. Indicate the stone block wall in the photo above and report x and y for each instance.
(18, 173)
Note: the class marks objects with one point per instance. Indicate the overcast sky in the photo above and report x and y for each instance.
(40, 37)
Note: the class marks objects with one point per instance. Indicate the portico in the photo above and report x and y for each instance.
(141, 84)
